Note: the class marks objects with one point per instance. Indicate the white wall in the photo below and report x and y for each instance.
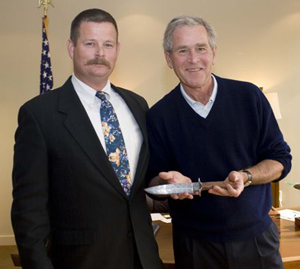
(258, 41)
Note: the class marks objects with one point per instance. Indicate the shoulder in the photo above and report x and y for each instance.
(130, 96)
(236, 84)
(244, 96)
(45, 101)
(166, 104)
(243, 90)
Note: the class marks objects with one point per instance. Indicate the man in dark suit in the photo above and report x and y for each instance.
(69, 209)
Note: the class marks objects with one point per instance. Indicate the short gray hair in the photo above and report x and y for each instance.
(187, 21)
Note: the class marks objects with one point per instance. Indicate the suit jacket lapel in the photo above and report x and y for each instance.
(81, 128)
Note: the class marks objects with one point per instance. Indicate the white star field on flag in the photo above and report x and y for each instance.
(46, 78)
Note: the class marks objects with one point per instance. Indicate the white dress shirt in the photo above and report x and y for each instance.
(199, 108)
(131, 132)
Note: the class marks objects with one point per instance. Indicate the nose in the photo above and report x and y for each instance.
(99, 52)
(193, 56)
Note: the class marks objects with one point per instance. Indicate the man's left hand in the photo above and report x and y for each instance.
(234, 185)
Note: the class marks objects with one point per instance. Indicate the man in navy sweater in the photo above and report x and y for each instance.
(216, 129)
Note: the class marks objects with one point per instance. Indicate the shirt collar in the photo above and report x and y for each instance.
(211, 98)
(86, 93)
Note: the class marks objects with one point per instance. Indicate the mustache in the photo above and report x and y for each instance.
(99, 61)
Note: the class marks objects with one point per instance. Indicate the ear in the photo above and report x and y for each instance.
(214, 55)
(70, 48)
(118, 48)
(169, 59)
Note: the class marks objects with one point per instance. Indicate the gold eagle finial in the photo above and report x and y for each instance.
(46, 4)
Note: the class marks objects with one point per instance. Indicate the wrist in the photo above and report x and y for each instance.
(249, 179)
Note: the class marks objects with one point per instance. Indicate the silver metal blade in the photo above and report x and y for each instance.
(168, 189)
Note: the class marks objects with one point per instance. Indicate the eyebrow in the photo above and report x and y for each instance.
(180, 47)
(202, 44)
(95, 40)
(196, 45)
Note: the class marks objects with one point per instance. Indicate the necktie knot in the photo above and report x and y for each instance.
(101, 96)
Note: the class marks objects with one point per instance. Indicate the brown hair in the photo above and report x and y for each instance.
(90, 15)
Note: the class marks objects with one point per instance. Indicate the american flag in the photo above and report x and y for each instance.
(46, 78)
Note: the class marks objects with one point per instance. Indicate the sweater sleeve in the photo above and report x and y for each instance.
(159, 152)
(272, 144)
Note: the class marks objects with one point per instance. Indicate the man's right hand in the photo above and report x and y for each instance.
(173, 177)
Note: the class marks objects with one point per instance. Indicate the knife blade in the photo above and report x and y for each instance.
(177, 188)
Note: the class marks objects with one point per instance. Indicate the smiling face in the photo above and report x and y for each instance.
(95, 53)
(192, 57)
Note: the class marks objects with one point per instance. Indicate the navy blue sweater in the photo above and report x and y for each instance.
(239, 132)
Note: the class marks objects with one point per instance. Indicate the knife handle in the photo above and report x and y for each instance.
(210, 184)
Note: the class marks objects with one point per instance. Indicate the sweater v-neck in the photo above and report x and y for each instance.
(193, 116)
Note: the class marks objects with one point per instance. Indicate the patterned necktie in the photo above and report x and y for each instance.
(115, 145)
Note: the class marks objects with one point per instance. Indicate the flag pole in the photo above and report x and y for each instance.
(46, 77)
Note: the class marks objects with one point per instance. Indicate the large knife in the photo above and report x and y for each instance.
(177, 188)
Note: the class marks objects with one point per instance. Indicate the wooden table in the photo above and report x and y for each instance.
(289, 244)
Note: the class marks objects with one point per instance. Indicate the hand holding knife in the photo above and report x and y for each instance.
(191, 188)
(187, 190)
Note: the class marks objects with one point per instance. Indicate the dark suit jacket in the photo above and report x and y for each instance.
(69, 209)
